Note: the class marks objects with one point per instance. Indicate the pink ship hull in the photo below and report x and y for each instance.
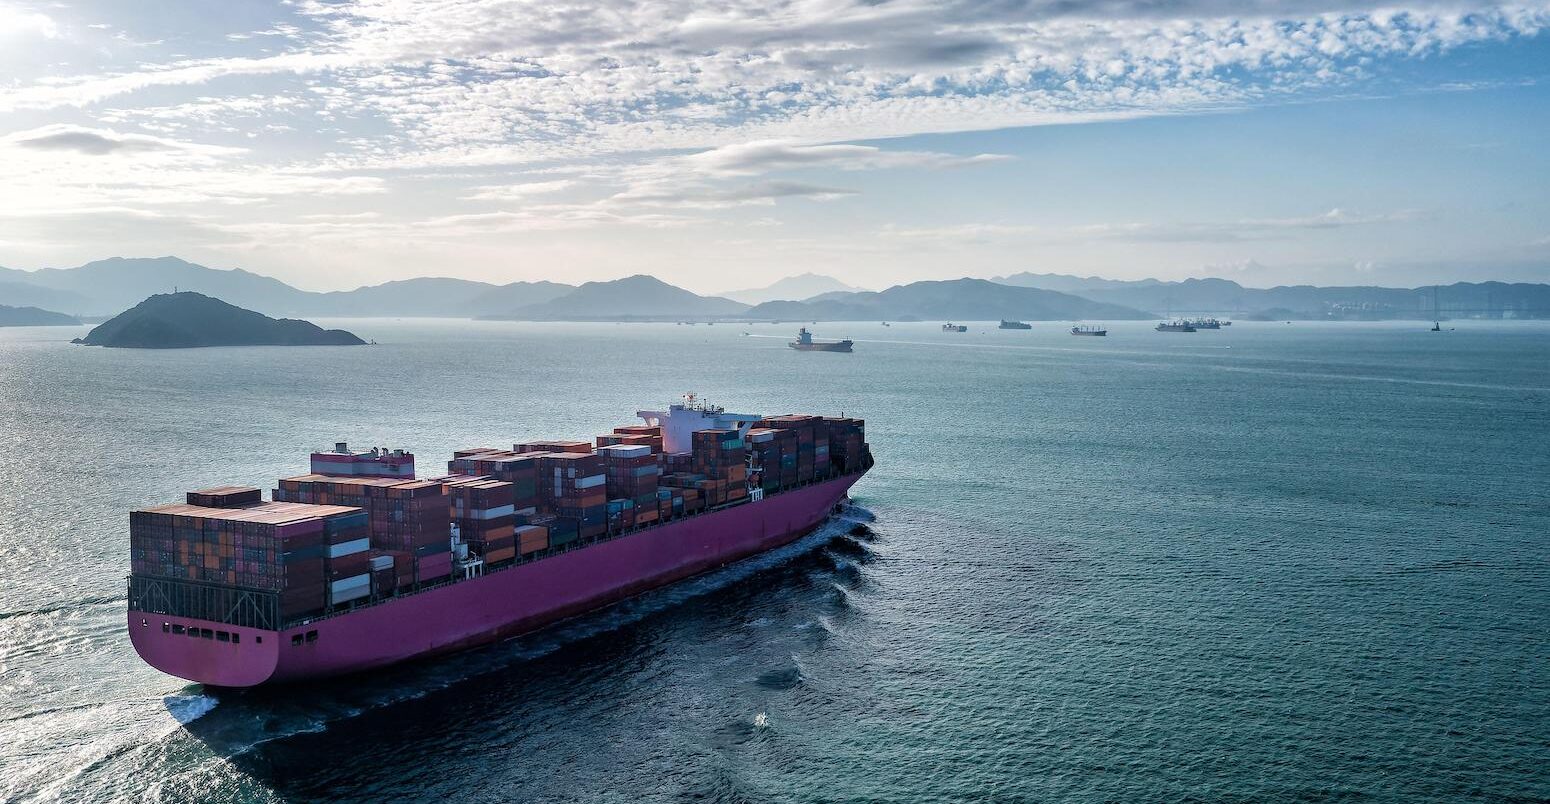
(498, 605)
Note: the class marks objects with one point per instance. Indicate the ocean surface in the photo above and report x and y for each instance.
(1305, 562)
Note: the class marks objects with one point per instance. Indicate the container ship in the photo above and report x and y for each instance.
(359, 564)
(1097, 332)
(1005, 324)
(805, 343)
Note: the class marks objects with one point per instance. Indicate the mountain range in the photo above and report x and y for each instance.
(967, 299)
(106, 287)
(638, 297)
(1226, 297)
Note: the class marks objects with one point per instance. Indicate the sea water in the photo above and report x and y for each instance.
(1274, 562)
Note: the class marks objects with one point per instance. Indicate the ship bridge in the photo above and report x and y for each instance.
(679, 421)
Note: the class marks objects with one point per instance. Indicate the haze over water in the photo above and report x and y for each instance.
(1271, 563)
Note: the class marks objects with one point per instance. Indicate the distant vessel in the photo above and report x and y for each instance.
(805, 343)
(1175, 326)
(954, 328)
(1014, 325)
(1095, 331)
(1205, 323)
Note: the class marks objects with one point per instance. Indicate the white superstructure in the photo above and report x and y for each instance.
(679, 422)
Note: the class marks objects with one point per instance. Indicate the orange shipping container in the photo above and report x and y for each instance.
(532, 538)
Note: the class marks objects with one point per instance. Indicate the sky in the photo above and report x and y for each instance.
(726, 144)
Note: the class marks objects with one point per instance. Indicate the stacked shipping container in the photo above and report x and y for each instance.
(331, 540)
(296, 551)
(574, 485)
(483, 516)
(632, 473)
(410, 520)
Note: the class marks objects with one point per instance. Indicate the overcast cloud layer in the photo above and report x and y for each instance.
(334, 144)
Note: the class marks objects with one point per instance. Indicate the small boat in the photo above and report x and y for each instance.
(805, 343)
(1094, 331)
(1005, 324)
(954, 328)
(1436, 326)
(1175, 326)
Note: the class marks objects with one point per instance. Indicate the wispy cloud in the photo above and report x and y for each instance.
(1238, 230)
(103, 142)
(1247, 229)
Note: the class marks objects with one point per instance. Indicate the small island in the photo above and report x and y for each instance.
(34, 317)
(187, 320)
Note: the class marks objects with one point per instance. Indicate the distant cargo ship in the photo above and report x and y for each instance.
(1206, 323)
(1015, 325)
(358, 565)
(805, 343)
(1175, 326)
(954, 328)
(1085, 330)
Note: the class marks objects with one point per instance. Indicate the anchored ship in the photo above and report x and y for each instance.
(1175, 326)
(1014, 325)
(805, 343)
(358, 565)
(954, 328)
(1206, 323)
(1087, 330)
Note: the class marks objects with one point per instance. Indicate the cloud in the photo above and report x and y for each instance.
(102, 142)
(16, 23)
(491, 81)
(517, 192)
(1249, 229)
(698, 196)
(763, 156)
(1237, 230)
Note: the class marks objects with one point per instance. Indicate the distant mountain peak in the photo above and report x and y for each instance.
(799, 287)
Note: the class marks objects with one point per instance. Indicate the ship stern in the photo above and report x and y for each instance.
(204, 651)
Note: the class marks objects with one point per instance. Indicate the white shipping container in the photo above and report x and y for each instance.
(624, 451)
(492, 513)
(355, 593)
(349, 548)
(346, 584)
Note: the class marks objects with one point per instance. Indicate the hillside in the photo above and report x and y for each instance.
(187, 319)
(34, 317)
(638, 297)
(22, 294)
(966, 299)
